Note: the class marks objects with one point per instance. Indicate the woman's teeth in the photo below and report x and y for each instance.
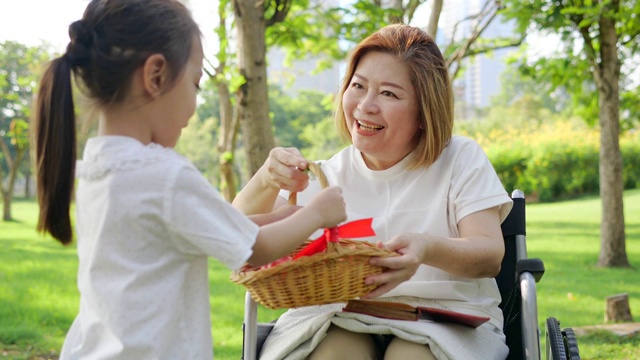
(370, 128)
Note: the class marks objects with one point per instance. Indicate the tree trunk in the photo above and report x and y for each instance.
(27, 184)
(617, 309)
(228, 129)
(395, 4)
(7, 193)
(252, 98)
(6, 206)
(226, 142)
(4, 192)
(607, 78)
(434, 18)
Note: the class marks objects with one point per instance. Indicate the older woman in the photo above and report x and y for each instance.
(435, 199)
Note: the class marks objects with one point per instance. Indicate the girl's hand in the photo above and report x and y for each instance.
(399, 268)
(330, 207)
(284, 169)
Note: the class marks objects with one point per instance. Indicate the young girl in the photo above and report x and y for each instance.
(146, 218)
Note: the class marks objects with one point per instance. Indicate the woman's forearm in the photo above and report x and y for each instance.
(257, 197)
(476, 253)
(473, 257)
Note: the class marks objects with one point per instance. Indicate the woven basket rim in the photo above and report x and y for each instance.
(344, 248)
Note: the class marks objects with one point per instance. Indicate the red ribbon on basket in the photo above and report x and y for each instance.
(353, 229)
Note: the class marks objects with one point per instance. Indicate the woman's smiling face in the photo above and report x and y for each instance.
(381, 110)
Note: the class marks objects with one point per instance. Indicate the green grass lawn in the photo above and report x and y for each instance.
(566, 236)
(39, 300)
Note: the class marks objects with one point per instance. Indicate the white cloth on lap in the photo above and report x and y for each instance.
(299, 331)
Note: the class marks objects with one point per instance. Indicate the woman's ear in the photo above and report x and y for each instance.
(155, 73)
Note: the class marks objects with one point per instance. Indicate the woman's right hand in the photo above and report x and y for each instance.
(330, 206)
(283, 169)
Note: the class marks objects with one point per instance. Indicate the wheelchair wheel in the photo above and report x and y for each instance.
(555, 348)
(570, 344)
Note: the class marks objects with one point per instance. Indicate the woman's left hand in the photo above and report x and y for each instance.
(411, 248)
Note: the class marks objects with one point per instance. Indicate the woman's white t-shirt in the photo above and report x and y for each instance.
(425, 200)
(147, 221)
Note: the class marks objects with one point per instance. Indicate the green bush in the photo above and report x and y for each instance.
(554, 161)
(631, 161)
(511, 166)
(558, 170)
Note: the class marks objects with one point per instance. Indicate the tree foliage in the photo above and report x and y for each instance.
(599, 42)
(572, 65)
(19, 65)
(523, 90)
(291, 115)
(326, 32)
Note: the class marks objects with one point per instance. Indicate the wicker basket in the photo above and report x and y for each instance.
(334, 275)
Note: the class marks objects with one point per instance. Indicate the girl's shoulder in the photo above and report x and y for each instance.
(111, 154)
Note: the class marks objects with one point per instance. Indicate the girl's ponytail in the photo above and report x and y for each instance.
(55, 139)
(107, 46)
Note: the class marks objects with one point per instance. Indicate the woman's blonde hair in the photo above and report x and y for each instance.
(429, 76)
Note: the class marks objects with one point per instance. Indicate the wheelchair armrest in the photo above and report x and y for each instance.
(264, 329)
(534, 266)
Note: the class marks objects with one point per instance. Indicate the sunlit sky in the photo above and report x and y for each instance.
(33, 21)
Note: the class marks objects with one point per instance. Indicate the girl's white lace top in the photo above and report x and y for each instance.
(146, 222)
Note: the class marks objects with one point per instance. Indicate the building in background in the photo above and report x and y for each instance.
(302, 75)
(479, 79)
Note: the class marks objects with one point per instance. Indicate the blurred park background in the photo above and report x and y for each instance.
(550, 89)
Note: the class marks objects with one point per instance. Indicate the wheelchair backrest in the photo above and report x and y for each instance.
(512, 226)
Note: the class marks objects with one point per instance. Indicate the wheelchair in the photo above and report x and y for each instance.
(517, 283)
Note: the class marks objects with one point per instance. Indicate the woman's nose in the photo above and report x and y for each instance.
(368, 104)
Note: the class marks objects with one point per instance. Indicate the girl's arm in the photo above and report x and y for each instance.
(277, 239)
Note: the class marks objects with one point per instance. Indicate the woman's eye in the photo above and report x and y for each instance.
(356, 85)
(389, 93)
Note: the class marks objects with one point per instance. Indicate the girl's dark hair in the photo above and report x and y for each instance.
(112, 40)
